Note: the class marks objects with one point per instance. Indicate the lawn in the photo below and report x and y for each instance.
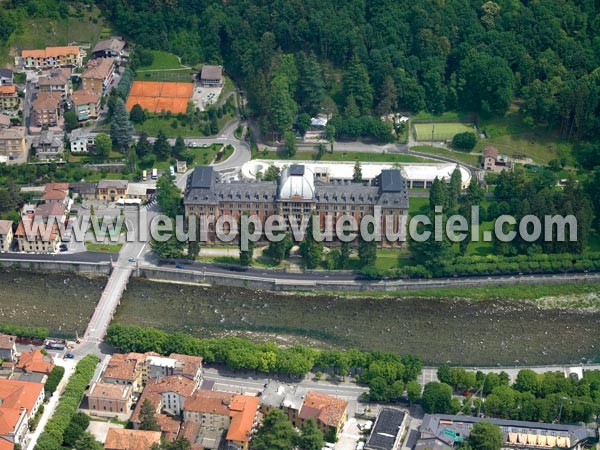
(170, 127)
(466, 158)
(343, 156)
(104, 248)
(203, 156)
(165, 67)
(162, 61)
(441, 131)
(40, 33)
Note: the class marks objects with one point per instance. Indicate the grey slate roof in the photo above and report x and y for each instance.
(6, 73)
(386, 429)
(211, 72)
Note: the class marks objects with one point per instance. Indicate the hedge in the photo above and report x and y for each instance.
(52, 437)
(54, 379)
(25, 332)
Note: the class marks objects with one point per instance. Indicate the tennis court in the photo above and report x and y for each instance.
(156, 96)
(437, 131)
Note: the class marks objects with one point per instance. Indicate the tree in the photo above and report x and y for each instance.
(367, 252)
(137, 114)
(311, 87)
(121, 129)
(162, 148)
(168, 196)
(444, 374)
(438, 194)
(290, 143)
(143, 146)
(280, 250)
(311, 250)
(276, 432)
(357, 177)
(71, 121)
(272, 173)
(179, 148)
(527, 381)
(388, 97)
(356, 83)
(103, 146)
(88, 442)
(413, 391)
(303, 123)
(310, 437)
(485, 436)
(283, 106)
(147, 417)
(437, 398)
(464, 141)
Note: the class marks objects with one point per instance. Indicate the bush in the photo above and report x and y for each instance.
(25, 332)
(464, 141)
(54, 379)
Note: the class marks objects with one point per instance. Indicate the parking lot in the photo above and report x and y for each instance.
(205, 96)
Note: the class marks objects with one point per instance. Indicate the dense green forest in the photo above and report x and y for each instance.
(365, 57)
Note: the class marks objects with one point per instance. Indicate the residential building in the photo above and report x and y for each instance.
(48, 145)
(167, 394)
(137, 191)
(244, 418)
(57, 193)
(35, 361)
(84, 190)
(6, 77)
(86, 105)
(98, 75)
(50, 212)
(6, 239)
(494, 162)
(82, 141)
(57, 80)
(19, 401)
(176, 364)
(110, 48)
(9, 99)
(298, 194)
(46, 109)
(181, 166)
(109, 397)
(387, 431)
(8, 348)
(211, 76)
(329, 412)
(50, 57)
(125, 369)
(210, 409)
(12, 143)
(442, 431)
(121, 439)
(33, 237)
(112, 190)
(4, 121)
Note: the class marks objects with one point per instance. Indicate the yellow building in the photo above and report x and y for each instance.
(9, 99)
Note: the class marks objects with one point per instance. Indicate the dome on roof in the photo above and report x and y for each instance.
(297, 182)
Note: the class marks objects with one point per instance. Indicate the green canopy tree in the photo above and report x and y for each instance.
(147, 416)
(162, 148)
(485, 436)
(310, 437)
(103, 146)
(121, 129)
(276, 432)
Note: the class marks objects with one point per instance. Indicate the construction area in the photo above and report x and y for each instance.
(159, 96)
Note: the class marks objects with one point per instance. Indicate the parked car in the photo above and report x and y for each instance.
(69, 355)
(179, 266)
(131, 260)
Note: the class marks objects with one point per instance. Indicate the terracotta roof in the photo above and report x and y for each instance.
(6, 445)
(55, 191)
(191, 364)
(122, 367)
(243, 411)
(189, 431)
(35, 361)
(47, 100)
(12, 133)
(491, 152)
(323, 407)
(98, 68)
(50, 52)
(109, 391)
(121, 439)
(46, 210)
(7, 341)
(4, 120)
(209, 402)
(211, 72)
(154, 390)
(11, 89)
(55, 77)
(39, 229)
(19, 394)
(85, 98)
(169, 426)
(9, 417)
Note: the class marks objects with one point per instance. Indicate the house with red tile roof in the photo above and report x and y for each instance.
(109, 397)
(329, 412)
(8, 347)
(19, 401)
(68, 56)
(243, 411)
(35, 361)
(209, 408)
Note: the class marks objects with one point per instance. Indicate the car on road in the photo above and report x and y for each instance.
(179, 266)
(69, 355)
(63, 249)
(132, 260)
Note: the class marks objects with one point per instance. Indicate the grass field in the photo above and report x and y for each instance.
(62, 302)
(165, 67)
(104, 248)
(467, 158)
(154, 124)
(440, 330)
(441, 131)
(204, 155)
(343, 156)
